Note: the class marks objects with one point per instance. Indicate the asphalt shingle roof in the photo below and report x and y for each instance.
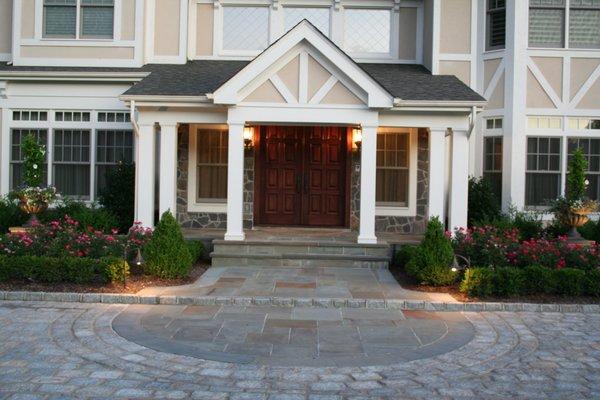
(199, 77)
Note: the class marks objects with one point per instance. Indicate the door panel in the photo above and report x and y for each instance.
(302, 176)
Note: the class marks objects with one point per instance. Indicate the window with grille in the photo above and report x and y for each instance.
(245, 28)
(112, 147)
(591, 151)
(584, 24)
(16, 154)
(367, 31)
(71, 162)
(95, 19)
(493, 123)
(72, 116)
(496, 24)
(319, 17)
(492, 164)
(114, 117)
(547, 23)
(30, 115)
(584, 123)
(211, 165)
(392, 181)
(543, 173)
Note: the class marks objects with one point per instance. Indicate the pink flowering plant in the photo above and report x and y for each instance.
(66, 237)
(494, 247)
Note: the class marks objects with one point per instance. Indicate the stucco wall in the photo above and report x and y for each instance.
(455, 30)
(166, 28)
(5, 26)
(204, 29)
(128, 19)
(408, 34)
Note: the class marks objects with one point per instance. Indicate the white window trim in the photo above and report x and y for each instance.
(192, 201)
(51, 125)
(411, 209)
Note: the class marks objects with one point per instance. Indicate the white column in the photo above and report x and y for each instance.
(235, 183)
(459, 181)
(4, 151)
(368, 174)
(144, 180)
(437, 173)
(167, 198)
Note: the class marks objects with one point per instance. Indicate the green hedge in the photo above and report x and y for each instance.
(196, 249)
(533, 280)
(62, 269)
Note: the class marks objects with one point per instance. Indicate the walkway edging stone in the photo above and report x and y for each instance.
(392, 304)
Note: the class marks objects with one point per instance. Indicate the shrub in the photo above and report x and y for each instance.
(484, 205)
(51, 269)
(115, 269)
(10, 215)
(507, 281)
(569, 281)
(591, 283)
(93, 216)
(403, 255)
(118, 196)
(591, 231)
(196, 249)
(431, 260)
(166, 254)
(537, 280)
(477, 282)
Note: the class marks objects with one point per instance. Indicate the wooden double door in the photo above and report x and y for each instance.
(302, 176)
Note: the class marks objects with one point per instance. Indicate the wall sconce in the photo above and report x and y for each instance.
(357, 137)
(248, 137)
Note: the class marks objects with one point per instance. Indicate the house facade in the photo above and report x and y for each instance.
(360, 114)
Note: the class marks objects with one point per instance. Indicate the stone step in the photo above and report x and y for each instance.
(237, 259)
(307, 248)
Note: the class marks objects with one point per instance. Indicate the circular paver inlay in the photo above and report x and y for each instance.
(294, 336)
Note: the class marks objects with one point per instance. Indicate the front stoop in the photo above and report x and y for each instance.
(299, 254)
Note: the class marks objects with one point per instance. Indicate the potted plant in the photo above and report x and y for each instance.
(573, 210)
(33, 197)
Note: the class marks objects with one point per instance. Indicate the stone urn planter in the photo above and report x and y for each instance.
(33, 201)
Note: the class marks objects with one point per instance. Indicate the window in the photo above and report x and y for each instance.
(591, 150)
(94, 17)
(544, 122)
(584, 123)
(367, 31)
(211, 165)
(392, 183)
(26, 115)
(584, 24)
(319, 17)
(69, 116)
(496, 24)
(492, 164)
(114, 117)
(16, 154)
(71, 162)
(112, 147)
(245, 28)
(546, 23)
(542, 177)
(493, 123)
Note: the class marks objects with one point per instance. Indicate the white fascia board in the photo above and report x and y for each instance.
(378, 97)
(164, 99)
(435, 104)
(73, 76)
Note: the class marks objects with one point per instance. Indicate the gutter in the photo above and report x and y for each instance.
(164, 98)
(73, 76)
(438, 103)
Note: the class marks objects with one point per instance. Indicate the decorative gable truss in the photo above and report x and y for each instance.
(303, 68)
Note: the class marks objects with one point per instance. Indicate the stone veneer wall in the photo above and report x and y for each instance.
(409, 225)
(205, 219)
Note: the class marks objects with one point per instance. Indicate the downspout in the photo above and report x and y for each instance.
(136, 131)
(472, 124)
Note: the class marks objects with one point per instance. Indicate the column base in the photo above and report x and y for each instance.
(367, 240)
(234, 236)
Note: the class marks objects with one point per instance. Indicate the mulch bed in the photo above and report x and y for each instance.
(134, 284)
(409, 283)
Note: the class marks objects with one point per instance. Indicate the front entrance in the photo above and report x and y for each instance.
(302, 176)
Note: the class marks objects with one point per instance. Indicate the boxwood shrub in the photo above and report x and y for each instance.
(43, 269)
(533, 280)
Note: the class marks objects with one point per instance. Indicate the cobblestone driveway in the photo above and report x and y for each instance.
(52, 350)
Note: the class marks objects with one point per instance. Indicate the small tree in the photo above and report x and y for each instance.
(167, 254)
(431, 260)
(484, 206)
(576, 181)
(33, 159)
(118, 196)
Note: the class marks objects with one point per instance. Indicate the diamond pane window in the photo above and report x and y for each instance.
(547, 23)
(319, 17)
(97, 18)
(60, 17)
(584, 24)
(367, 31)
(245, 28)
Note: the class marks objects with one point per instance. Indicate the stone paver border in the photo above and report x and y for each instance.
(392, 304)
